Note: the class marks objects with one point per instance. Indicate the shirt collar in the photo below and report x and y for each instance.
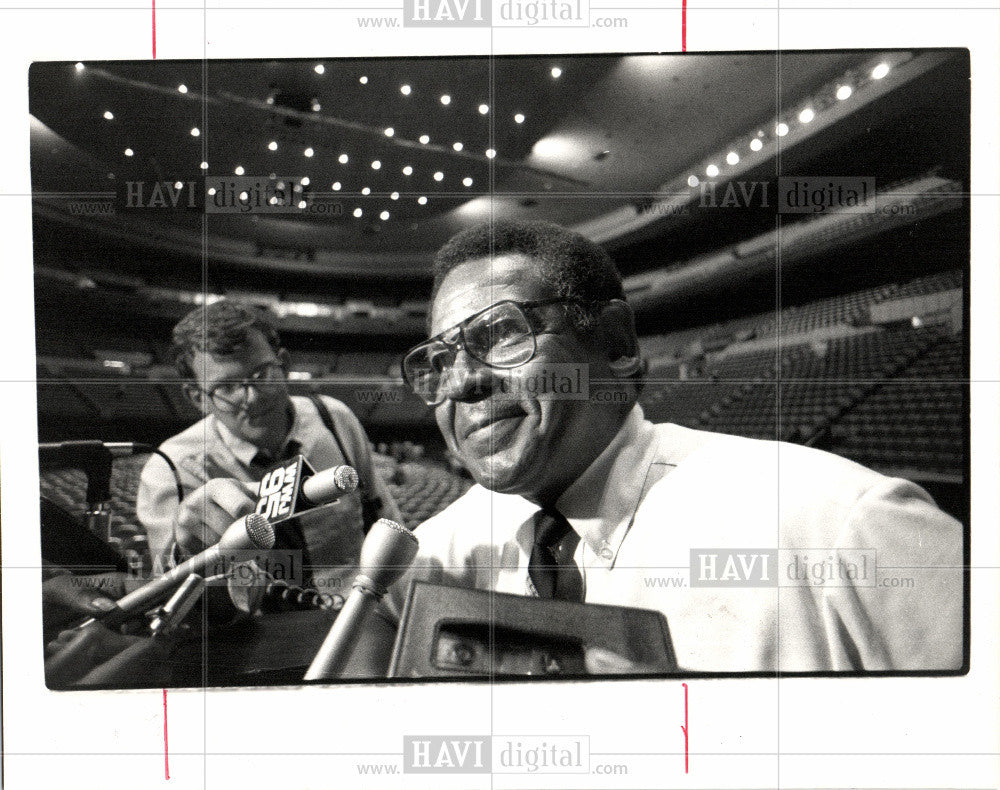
(245, 451)
(602, 502)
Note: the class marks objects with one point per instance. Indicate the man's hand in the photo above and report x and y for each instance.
(67, 598)
(206, 512)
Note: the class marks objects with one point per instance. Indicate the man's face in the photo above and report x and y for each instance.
(532, 445)
(262, 417)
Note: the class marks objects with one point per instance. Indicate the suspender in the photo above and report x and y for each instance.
(324, 415)
(371, 506)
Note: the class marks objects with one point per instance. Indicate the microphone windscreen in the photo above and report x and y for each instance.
(388, 550)
(260, 531)
(346, 477)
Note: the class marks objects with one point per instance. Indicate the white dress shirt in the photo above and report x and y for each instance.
(658, 492)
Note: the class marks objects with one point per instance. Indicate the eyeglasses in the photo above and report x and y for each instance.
(501, 336)
(232, 395)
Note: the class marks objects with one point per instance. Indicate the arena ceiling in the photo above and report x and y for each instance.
(398, 154)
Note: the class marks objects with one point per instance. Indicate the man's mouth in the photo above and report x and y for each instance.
(469, 425)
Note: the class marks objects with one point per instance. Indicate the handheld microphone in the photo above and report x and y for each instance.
(293, 486)
(386, 554)
(250, 532)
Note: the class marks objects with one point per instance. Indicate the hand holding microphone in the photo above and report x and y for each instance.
(286, 489)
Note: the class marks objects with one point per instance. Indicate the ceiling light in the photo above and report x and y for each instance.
(483, 109)
(384, 216)
(458, 146)
(405, 90)
(342, 159)
(422, 200)
(182, 88)
(178, 185)
(316, 106)
(244, 196)
(467, 181)
(376, 165)
(129, 152)
(239, 170)
(273, 201)
(806, 115)
(363, 80)
(781, 129)
(424, 139)
(732, 158)
(394, 196)
(211, 190)
(308, 152)
(844, 92)
(358, 212)
(390, 132)
(269, 100)
(446, 100)
(319, 68)
(305, 181)
(519, 118)
(335, 186)
(756, 144)
(79, 67)
(195, 131)
(491, 153)
(366, 190)
(407, 171)
(711, 171)
(556, 73)
(273, 145)
(108, 115)
(438, 176)
(204, 165)
(302, 204)
(880, 71)
(693, 181)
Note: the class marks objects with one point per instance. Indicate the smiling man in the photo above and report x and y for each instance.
(236, 369)
(579, 497)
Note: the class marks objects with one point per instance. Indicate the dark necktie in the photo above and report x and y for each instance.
(552, 578)
(263, 461)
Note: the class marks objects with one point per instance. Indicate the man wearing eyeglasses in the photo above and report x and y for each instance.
(236, 370)
(580, 498)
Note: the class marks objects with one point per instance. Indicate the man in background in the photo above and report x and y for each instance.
(235, 370)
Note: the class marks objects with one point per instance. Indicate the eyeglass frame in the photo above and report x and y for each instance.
(256, 378)
(460, 343)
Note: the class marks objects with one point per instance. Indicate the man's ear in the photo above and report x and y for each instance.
(285, 359)
(618, 328)
(196, 396)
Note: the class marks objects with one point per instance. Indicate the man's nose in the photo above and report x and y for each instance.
(250, 396)
(467, 379)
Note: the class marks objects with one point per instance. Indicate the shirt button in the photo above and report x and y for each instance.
(607, 553)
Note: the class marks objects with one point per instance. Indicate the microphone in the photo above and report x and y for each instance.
(86, 452)
(386, 554)
(250, 532)
(292, 486)
(95, 458)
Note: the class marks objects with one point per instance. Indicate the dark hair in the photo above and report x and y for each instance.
(220, 328)
(569, 264)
